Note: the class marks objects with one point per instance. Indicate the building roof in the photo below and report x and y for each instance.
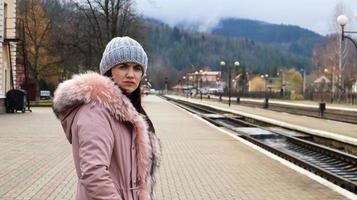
(322, 79)
(206, 73)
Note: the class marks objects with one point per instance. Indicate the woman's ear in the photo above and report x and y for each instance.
(109, 73)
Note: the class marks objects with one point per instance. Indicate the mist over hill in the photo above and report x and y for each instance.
(186, 50)
(289, 38)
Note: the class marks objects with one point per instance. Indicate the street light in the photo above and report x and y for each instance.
(196, 82)
(236, 64)
(266, 101)
(282, 82)
(166, 81)
(184, 88)
(342, 20)
(191, 84)
(222, 64)
(200, 82)
(327, 72)
(200, 74)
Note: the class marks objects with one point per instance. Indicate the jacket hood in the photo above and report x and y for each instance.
(93, 88)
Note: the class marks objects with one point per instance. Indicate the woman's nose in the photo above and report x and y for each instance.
(130, 72)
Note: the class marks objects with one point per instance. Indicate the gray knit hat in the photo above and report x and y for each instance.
(121, 50)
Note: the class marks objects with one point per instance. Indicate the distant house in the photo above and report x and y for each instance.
(322, 79)
(257, 84)
(8, 49)
(322, 84)
(203, 79)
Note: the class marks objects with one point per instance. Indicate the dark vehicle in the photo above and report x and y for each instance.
(16, 100)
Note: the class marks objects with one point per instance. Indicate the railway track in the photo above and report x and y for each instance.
(336, 166)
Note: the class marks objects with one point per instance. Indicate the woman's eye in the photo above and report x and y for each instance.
(137, 68)
(122, 67)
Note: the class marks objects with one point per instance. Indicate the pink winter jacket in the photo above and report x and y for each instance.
(114, 155)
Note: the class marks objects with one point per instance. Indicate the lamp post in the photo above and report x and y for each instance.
(200, 74)
(282, 82)
(236, 64)
(166, 81)
(222, 64)
(200, 82)
(196, 82)
(184, 87)
(265, 77)
(191, 83)
(342, 20)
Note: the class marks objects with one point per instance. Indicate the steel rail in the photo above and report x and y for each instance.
(335, 166)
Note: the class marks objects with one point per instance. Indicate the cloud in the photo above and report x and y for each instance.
(209, 24)
(314, 15)
(212, 21)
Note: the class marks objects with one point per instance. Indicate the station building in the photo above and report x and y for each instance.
(7, 49)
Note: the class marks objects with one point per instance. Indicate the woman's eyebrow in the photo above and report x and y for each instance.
(138, 66)
(123, 64)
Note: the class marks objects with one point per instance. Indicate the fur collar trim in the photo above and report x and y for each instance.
(94, 88)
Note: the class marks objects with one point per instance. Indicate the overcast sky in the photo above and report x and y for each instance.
(316, 15)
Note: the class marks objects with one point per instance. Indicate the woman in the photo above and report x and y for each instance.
(114, 146)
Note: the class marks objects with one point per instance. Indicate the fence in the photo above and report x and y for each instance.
(348, 98)
(343, 98)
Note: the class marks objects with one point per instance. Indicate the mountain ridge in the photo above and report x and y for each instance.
(173, 46)
(291, 38)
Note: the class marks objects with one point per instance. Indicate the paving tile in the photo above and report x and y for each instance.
(198, 161)
(203, 163)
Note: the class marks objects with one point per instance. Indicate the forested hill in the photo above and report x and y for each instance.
(291, 38)
(173, 47)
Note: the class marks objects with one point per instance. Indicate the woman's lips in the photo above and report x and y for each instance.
(129, 82)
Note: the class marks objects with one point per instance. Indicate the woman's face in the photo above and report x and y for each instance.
(127, 76)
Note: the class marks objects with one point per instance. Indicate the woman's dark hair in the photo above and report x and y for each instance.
(135, 98)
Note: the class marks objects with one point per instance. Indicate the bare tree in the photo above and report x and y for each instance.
(84, 27)
(81, 29)
(326, 56)
(345, 66)
(109, 18)
(42, 61)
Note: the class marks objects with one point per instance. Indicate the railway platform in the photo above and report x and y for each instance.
(199, 161)
(202, 162)
(336, 130)
(298, 103)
